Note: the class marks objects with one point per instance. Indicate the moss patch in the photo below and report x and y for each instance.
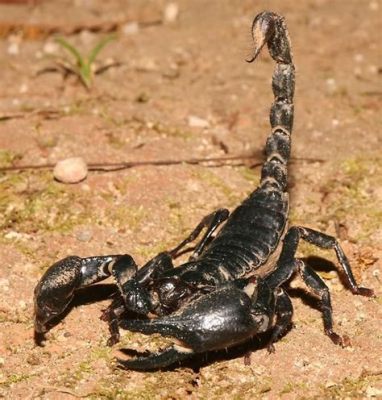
(350, 197)
(31, 202)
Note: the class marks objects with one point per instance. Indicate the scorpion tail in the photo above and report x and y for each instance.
(270, 28)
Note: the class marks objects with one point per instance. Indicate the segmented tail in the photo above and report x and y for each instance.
(270, 28)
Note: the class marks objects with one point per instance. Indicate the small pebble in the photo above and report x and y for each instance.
(301, 363)
(22, 305)
(4, 284)
(170, 12)
(373, 392)
(130, 28)
(23, 88)
(146, 64)
(13, 49)
(197, 122)
(373, 69)
(331, 85)
(374, 6)
(12, 235)
(33, 359)
(70, 170)
(87, 37)
(376, 273)
(50, 48)
(84, 235)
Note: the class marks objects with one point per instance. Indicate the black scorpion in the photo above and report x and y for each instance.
(232, 287)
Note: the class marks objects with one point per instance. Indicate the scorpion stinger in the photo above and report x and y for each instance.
(232, 287)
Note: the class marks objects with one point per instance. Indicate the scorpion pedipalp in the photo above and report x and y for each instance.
(57, 286)
(218, 320)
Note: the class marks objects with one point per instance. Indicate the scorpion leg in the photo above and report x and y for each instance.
(56, 288)
(111, 315)
(284, 312)
(287, 264)
(324, 241)
(211, 222)
(314, 282)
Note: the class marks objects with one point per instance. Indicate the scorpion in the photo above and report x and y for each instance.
(233, 286)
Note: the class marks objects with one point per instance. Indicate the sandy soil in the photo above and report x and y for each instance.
(169, 73)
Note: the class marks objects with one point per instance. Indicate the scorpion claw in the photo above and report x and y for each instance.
(54, 292)
(218, 320)
(56, 288)
(157, 360)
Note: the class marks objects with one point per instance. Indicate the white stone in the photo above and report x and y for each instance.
(374, 6)
(373, 392)
(197, 122)
(130, 28)
(23, 88)
(84, 235)
(171, 12)
(359, 57)
(146, 64)
(50, 48)
(14, 49)
(71, 170)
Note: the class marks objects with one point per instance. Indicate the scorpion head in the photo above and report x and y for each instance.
(170, 293)
(136, 297)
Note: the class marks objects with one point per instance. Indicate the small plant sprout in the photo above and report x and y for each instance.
(83, 66)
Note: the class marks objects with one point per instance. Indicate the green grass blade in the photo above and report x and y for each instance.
(98, 47)
(86, 75)
(72, 50)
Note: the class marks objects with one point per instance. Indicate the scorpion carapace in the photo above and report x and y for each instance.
(232, 287)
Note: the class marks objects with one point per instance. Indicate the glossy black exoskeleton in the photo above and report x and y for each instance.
(231, 289)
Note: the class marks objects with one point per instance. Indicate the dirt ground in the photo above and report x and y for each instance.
(182, 89)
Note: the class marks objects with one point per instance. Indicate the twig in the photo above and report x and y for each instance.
(46, 113)
(53, 389)
(37, 31)
(7, 117)
(110, 167)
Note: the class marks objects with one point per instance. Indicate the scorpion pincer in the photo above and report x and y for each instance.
(232, 287)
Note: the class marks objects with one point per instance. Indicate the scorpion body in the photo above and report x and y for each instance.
(231, 289)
